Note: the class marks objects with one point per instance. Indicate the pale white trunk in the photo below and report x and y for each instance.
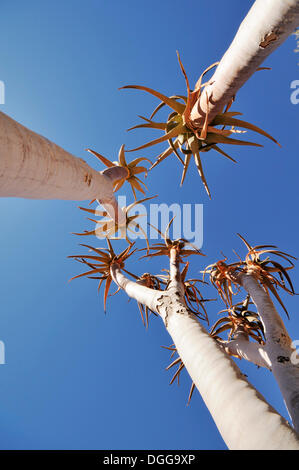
(266, 26)
(285, 364)
(243, 417)
(33, 167)
(252, 351)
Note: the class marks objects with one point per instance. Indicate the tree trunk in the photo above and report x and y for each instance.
(33, 167)
(241, 414)
(243, 417)
(266, 26)
(278, 346)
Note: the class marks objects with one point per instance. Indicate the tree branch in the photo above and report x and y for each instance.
(278, 345)
(241, 347)
(143, 295)
(175, 273)
(266, 26)
(235, 405)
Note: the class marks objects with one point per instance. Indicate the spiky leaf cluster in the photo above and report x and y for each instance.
(239, 317)
(269, 272)
(100, 262)
(133, 169)
(108, 227)
(161, 249)
(187, 139)
(222, 277)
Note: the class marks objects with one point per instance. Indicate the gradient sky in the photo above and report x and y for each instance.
(74, 377)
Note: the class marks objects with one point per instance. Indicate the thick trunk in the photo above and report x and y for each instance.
(278, 346)
(266, 26)
(33, 167)
(243, 417)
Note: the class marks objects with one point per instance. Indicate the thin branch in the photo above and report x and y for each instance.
(143, 295)
(175, 273)
(241, 347)
(278, 345)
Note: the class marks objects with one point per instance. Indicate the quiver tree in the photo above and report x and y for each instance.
(243, 417)
(33, 167)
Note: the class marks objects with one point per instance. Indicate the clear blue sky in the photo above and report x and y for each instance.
(76, 378)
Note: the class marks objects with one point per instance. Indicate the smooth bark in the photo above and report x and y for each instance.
(241, 414)
(33, 167)
(278, 346)
(241, 347)
(266, 26)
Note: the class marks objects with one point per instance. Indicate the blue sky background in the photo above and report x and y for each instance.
(75, 378)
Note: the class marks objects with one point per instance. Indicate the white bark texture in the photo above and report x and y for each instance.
(33, 167)
(241, 414)
(243, 417)
(278, 346)
(136, 291)
(267, 24)
(252, 351)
